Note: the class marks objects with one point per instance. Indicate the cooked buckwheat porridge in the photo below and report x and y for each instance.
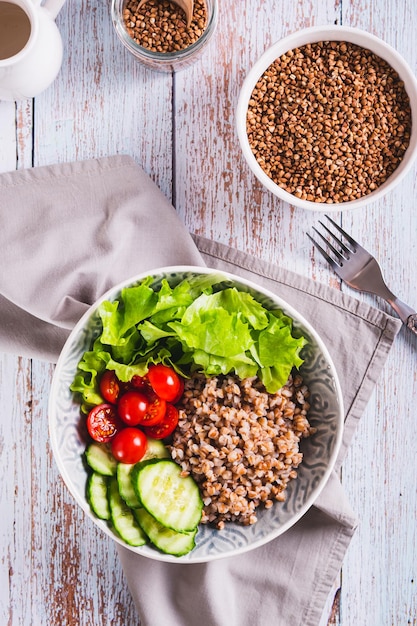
(240, 443)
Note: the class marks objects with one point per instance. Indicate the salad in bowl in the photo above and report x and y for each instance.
(194, 415)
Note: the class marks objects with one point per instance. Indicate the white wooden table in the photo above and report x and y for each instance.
(56, 568)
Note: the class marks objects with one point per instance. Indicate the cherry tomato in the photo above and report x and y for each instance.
(180, 392)
(103, 423)
(129, 445)
(156, 411)
(164, 381)
(133, 407)
(166, 426)
(140, 383)
(109, 386)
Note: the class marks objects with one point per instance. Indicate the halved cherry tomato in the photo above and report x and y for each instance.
(167, 426)
(156, 411)
(164, 381)
(132, 407)
(129, 445)
(137, 409)
(109, 386)
(103, 423)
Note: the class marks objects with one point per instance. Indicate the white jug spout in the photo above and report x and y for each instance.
(53, 6)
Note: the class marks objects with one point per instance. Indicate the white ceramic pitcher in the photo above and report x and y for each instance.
(30, 47)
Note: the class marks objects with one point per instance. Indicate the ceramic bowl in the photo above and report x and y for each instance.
(68, 433)
(321, 34)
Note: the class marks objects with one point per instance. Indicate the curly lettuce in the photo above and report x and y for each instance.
(202, 323)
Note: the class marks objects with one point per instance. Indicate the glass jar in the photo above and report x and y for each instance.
(164, 61)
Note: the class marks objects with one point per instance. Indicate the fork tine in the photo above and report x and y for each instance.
(328, 258)
(344, 248)
(339, 256)
(344, 233)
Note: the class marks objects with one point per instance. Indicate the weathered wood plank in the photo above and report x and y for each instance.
(380, 569)
(15, 489)
(7, 136)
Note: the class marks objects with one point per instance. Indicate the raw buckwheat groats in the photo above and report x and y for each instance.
(160, 25)
(329, 121)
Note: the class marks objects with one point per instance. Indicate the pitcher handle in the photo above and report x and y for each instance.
(52, 6)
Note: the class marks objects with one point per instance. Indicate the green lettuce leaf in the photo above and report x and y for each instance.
(214, 330)
(200, 323)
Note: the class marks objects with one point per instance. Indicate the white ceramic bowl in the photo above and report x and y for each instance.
(312, 35)
(68, 438)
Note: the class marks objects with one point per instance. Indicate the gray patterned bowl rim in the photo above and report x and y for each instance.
(242, 543)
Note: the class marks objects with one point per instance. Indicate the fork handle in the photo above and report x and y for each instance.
(412, 323)
(405, 312)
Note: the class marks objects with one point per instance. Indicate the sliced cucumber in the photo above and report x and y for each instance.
(97, 486)
(122, 517)
(163, 538)
(155, 450)
(100, 459)
(124, 481)
(173, 500)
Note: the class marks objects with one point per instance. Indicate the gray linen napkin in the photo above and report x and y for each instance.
(69, 232)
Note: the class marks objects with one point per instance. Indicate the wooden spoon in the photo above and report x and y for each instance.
(186, 5)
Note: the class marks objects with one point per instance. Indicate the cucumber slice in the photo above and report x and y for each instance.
(97, 486)
(155, 450)
(122, 517)
(163, 538)
(100, 459)
(173, 500)
(124, 471)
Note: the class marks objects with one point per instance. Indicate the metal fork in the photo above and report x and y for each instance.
(360, 270)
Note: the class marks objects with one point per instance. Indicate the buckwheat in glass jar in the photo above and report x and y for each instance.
(157, 33)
